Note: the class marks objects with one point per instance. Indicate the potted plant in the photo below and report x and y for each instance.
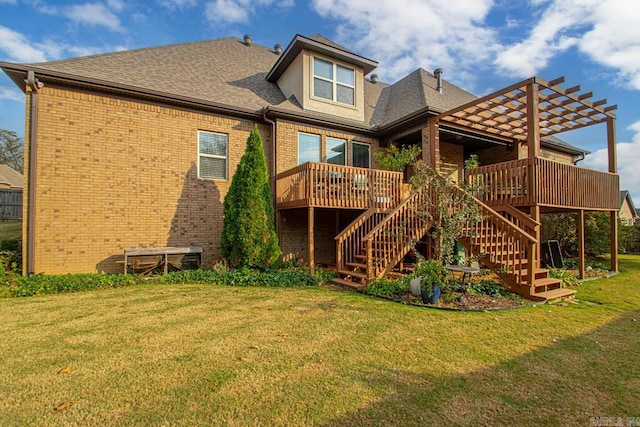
(397, 159)
(430, 277)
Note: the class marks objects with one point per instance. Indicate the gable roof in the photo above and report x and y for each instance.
(625, 196)
(232, 76)
(10, 177)
(320, 44)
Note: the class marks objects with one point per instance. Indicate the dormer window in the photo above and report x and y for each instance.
(333, 81)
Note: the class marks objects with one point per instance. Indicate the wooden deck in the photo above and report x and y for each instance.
(554, 184)
(335, 186)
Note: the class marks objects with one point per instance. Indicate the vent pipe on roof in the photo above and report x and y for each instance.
(248, 39)
(438, 73)
(374, 78)
(277, 49)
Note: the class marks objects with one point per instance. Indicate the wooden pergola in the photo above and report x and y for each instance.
(525, 112)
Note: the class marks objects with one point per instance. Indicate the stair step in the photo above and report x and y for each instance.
(356, 265)
(353, 274)
(545, 284)
(538, 273)
(347, 284)
(554, 294)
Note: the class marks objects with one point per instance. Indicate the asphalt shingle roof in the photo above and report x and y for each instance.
(229, 72)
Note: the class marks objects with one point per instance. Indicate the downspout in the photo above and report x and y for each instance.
(35, 86)
(274, 156)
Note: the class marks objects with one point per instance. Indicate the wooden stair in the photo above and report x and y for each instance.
(377, 241)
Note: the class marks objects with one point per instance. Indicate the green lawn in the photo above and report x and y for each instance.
(10, 230)
(205, 355)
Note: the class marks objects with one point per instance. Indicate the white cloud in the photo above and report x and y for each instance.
(117, 5)
(17, 47)
(628, 157)
(93, 14)
(226, 12)
(607, 31)
(614, 40)
(406, 34)
(173, 5)
(11, 93)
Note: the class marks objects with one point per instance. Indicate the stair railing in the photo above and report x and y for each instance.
(349, 241)
(391, 239)
(504, 244)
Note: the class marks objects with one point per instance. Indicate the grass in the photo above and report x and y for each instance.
(10, 230)
(210, 355)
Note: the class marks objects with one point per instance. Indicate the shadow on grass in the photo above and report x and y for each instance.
(566, 383)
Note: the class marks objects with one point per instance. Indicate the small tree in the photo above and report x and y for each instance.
(11, 149)
(248, 233)
(449, 210)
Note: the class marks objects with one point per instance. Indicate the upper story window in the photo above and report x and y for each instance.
(334, 82)
(336, 151)
(308, 148)
(212, 155)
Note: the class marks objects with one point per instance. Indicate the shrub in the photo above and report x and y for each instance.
(277, 278)
(248, 232)
(386, 287)
(40, 284)
(568, 279)
(486, 287)
(200, 275)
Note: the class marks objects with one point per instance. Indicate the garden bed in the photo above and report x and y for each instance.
(466, 302)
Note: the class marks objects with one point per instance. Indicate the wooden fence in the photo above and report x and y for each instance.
(10, 204)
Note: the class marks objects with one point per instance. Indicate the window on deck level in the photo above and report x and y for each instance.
(212, 155)
(361, 155)
(333, 81)
(336, 151)
(308, 148)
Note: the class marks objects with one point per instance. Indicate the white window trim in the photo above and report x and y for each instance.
(352, 151)
(319, 148)
(334, 82)
(214, 156)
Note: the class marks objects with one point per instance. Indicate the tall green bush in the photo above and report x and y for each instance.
(248, 233)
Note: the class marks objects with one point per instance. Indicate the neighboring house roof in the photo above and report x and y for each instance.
(231, 75)
(625, 196)
(10, 178)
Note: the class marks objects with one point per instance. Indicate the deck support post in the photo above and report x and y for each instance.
(614, 240)
(533, 120)
(581, 247)
(311, 243)
(536, 247)
(431, 144)
(613, 168)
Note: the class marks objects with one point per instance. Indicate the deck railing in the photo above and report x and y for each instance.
(336, 186)
(537, 181)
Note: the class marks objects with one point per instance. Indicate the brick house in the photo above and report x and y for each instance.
(137, 149)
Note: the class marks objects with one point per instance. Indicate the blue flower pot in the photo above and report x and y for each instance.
(429, 297)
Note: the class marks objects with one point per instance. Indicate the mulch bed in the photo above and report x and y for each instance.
(466, 302)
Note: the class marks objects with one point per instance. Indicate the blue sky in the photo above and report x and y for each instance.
(483, 45)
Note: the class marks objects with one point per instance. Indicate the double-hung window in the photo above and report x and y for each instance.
(212, 155)
(334, 82)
